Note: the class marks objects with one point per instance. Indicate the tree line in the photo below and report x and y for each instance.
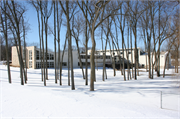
(116, 23)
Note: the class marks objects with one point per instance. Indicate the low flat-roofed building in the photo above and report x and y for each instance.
(34, 56)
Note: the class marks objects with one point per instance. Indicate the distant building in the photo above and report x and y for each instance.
(34, 61)
(32, 57)
(127, 53)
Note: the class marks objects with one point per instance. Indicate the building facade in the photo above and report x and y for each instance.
(34, 57)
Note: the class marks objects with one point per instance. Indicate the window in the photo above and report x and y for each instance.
(129, 52)
(84, 63)
(143, 65)
(38, 64)
(82, 57)
(121, 52)
(47, 64)
(51, 64)
(64, 64)
(107, 57)
(100, 57)
(51, 57)
(37, 55)
(30, 54)
(30, 64)
(47, 56)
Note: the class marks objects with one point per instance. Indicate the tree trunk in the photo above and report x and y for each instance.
(92, 61)
(46, 22)
(123, 55)
(7, 57)
(86, 45)
(165, 64)
(70, 48)
(131, 52)
(80, 62)
(86, 83)
(149, 58)
(104, 60)
(42, 35)
(135, 76)
(158, 66)
(68, 63)
(61, 64)
(55, 41)
(25, 65)
(40, 44)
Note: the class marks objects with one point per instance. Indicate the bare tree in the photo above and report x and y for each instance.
(86, 44)
(15, 15)
(55, 9)
(59, 23)
(95, 12)
(76, 26)
(122, 24)
(5, 32)
(67, 13)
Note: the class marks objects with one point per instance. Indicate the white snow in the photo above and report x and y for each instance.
(113, 98)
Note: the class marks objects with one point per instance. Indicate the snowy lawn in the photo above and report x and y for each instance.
(113, 98)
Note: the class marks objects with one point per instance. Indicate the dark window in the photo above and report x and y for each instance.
(30, 54)
(38, 64)
(37, 55)
(84, 63)
(51, 57)
(47, 64)
(64, 64)
(30, 64)
(51, 64)
(142, 65)
(107, 57)
(47, 56)
(82, 57)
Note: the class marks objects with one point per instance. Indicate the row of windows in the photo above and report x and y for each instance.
(96, 57)
(120, 52)
(84, 63)
(49, 64)
(49, 56)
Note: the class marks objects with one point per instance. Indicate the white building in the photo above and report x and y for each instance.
(34, 60)
(128, 53)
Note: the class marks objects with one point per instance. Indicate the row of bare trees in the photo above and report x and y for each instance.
(119, 23)
(14, 26)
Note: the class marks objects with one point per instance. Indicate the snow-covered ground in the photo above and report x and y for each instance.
(113, 98)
